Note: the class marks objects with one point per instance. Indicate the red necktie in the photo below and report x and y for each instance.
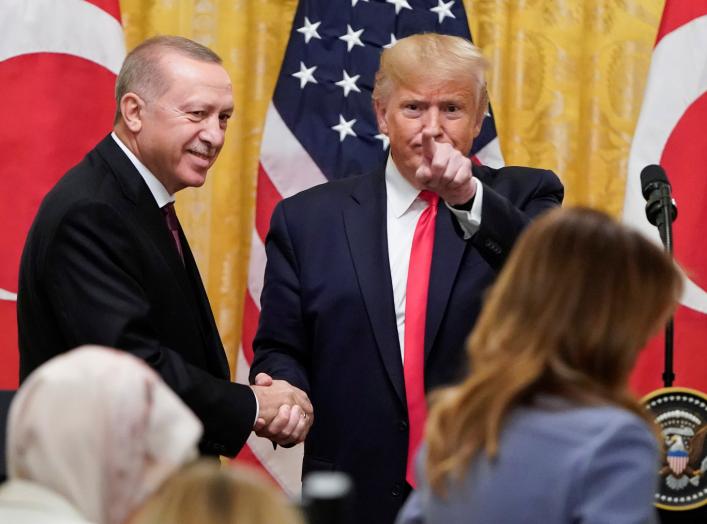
(415, 314)
(170, 217)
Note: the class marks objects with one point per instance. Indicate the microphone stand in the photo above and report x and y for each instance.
(666, 235)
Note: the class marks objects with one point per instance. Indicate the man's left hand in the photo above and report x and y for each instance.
(445, 171)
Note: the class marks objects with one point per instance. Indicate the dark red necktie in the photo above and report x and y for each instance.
(170, 216)
(415, 314)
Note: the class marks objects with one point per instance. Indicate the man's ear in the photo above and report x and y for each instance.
(380, 109)
(131, 107)
(481, 110)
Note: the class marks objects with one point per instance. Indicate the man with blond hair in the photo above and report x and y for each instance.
(373, 282)
(106, 261)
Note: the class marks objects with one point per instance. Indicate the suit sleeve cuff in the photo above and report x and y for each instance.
(470, 221)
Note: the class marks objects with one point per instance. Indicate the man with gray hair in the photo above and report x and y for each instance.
(106, 261)
(373, 282)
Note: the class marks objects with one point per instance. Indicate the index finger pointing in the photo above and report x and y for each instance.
(428, 146)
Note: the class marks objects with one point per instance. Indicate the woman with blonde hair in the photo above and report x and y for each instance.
(544, 429)
(206, 493)
(91, 435)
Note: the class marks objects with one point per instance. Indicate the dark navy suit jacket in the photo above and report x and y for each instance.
(327, 322)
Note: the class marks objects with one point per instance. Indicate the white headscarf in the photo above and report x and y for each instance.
(100, 428)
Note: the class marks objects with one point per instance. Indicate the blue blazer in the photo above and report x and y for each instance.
(557, 464)
(327, 322)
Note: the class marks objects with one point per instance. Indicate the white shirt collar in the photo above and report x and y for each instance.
(401, 193)
(159, 192)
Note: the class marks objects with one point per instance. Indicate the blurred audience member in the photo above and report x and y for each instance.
(91, 434)
(545, 430)
(205, 493)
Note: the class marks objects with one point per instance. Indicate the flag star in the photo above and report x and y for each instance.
(385, 141)
(443, 10)
(352, 38)
(348, 83)
(305, 75)
(344, 128)
(309, 30)
(354, 2)
(392, 42)
(399, 4)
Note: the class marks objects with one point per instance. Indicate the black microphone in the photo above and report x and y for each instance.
(660, 205)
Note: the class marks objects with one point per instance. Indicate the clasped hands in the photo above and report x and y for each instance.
(285, 412)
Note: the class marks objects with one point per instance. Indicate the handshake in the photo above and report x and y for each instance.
(285, 412)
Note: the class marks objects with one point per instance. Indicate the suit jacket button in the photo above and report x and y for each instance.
(397, 489)
(403, 426)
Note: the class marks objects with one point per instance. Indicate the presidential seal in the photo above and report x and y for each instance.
(681, 414)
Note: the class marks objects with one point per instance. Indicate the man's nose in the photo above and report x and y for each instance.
(213, 132)
(432, 122)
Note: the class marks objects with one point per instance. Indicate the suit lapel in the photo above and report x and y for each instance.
(210, 333)
(152, 221)
(148, 215)
(365, 225)
(447, 254)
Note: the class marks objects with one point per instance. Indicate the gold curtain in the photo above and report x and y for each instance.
(566, 88)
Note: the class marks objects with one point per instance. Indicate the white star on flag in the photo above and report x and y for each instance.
(392, 42)
(352, 38)
(399, 4)
(443, 10)
(385, 141)
(309, 30)
(305, 75)
(348, 83)
(354, 2)
(344, 128)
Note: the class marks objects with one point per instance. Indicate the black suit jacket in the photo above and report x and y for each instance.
(100, 267)
(327, 323)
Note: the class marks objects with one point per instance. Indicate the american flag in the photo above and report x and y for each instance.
(320, 126)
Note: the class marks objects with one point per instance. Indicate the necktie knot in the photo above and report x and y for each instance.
(170, 216)
(429, 197)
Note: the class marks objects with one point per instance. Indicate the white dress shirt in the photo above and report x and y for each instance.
(404, 208)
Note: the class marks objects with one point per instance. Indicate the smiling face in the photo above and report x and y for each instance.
(450, 111)
(182, 130)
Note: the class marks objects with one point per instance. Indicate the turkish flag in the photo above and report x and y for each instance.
(671, 132)
(58, 62)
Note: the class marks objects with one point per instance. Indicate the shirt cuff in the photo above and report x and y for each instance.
(257, 407)
(470, 221)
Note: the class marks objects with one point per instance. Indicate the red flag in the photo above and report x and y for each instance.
(58, 62)
(671, 132)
